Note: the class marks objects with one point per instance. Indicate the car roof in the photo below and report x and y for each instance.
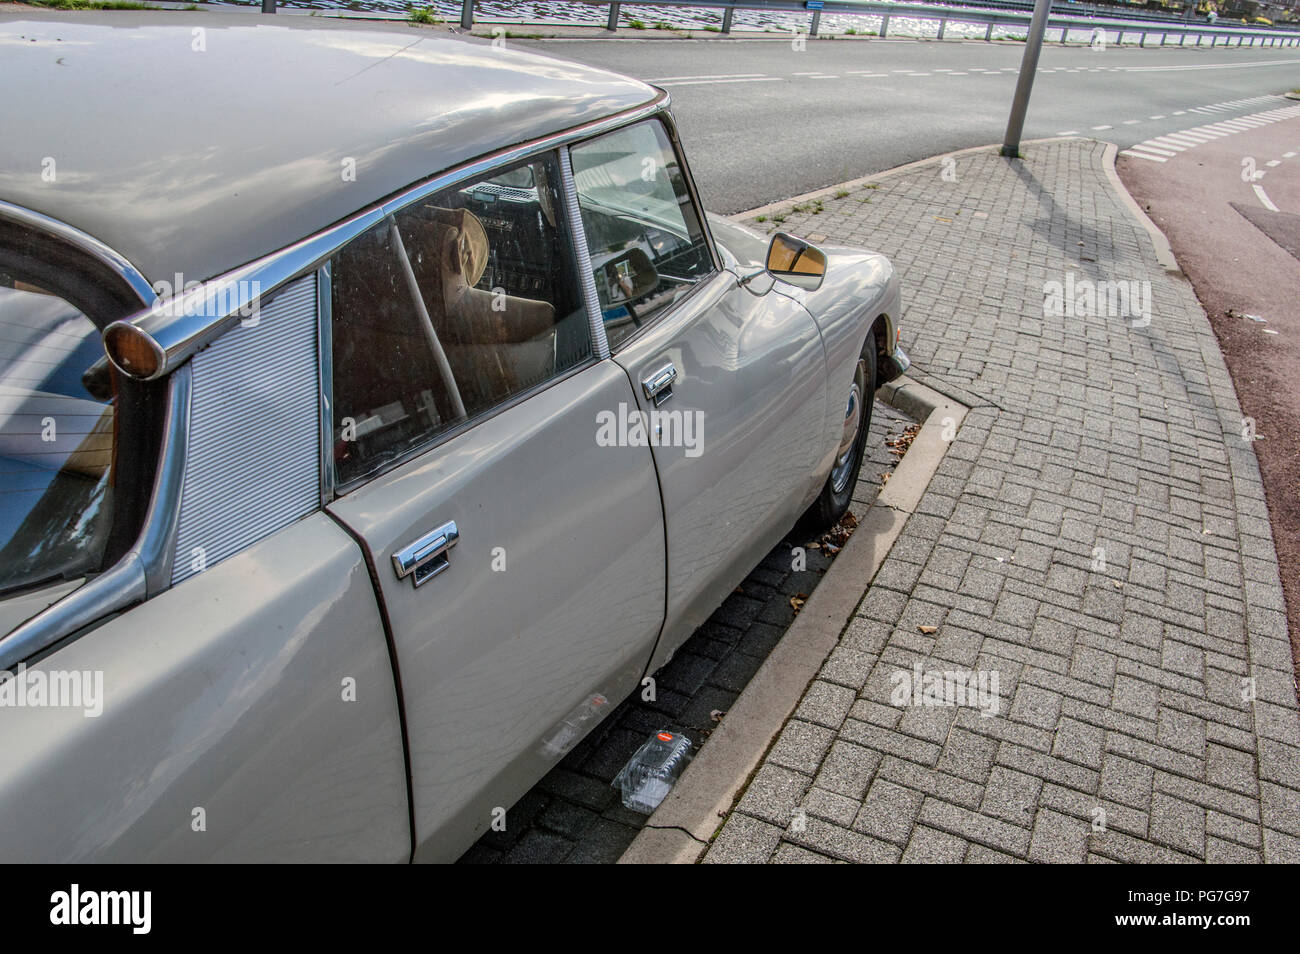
(194, 143)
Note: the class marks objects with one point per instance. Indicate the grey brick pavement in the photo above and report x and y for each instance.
(1096, 537)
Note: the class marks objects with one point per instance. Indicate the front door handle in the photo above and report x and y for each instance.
(427, 557)
(659, 385)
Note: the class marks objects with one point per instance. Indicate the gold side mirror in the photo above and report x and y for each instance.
(795, 261)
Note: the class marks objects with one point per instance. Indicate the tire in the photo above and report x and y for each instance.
(833, 501)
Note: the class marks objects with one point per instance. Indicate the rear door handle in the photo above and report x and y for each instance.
(428, 556)
(659, 385)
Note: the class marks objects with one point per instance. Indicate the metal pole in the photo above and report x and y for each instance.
(943, 25)
(467, 14)
(613, 17)
(884, 25)
(1025, 82)
(726, 19)
(988, 32)
(268, 6)
(816, 20)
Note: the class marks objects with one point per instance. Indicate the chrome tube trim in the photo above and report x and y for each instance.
(86, 243)
(325, 370)
(184, 323)
(110, 592)
(595, 316)
(156, 547)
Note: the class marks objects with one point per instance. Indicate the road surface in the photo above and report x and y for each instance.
(763, 121)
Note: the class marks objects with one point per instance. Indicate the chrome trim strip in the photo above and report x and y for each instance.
(183, 324)
(92, 246)
(325, 372)
(595, 316)
(110, 592)
(157, 544)
(671, 124)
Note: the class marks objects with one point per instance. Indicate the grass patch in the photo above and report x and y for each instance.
(636, 24)
(841, 193)
(712, 29)
(90, 5)
(850, 32)
(423, 15)
(663, 25)
(760, 218)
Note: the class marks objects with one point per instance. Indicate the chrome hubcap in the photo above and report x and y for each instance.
(849, 439)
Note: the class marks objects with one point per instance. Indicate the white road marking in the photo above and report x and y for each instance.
(1207, 66)
(1069, 132)
(1100, 128)
(719, 82)
(1161, 116)
(1264, 199)
(1158, 150)
(1273, 162)
(1287, 155)
(1131, 122)
(1141, 155)
(706, 76)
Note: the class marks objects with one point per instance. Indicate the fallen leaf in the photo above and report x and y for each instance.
(928, 629)
(716, 715)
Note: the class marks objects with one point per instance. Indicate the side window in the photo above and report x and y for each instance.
(57, 434)
(643, 232)
(450, 308)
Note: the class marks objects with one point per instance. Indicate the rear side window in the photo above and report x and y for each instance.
(449, 309)
(57, 432)
(643, 230)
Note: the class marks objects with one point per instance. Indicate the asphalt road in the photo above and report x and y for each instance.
(1231, 210)
(763, 122)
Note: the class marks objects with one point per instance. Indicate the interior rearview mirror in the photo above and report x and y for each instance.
(795, 261)
(628, 276)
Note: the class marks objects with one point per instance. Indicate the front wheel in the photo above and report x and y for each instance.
(833, 501)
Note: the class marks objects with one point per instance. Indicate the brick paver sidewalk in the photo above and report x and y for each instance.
(1096, 536)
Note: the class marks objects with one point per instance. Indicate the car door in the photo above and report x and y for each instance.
(729, 379)
(520, 559)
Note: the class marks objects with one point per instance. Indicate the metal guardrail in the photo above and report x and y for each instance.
(1245, 36)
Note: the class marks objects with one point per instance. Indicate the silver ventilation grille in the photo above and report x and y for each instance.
(252, 465)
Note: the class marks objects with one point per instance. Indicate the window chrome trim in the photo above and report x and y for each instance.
(157, 543)
(325, 377)
(183, 324)
(714, 256)
(578, 234)
(143, 572)
(671, 125)
(86, 243)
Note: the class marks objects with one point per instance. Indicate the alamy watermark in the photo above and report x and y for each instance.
(56, 689)
(1085, 298)
(949, 688)
(632, 427)
(222, 299)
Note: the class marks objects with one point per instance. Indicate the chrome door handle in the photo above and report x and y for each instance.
(426, 557)
(659, 385)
